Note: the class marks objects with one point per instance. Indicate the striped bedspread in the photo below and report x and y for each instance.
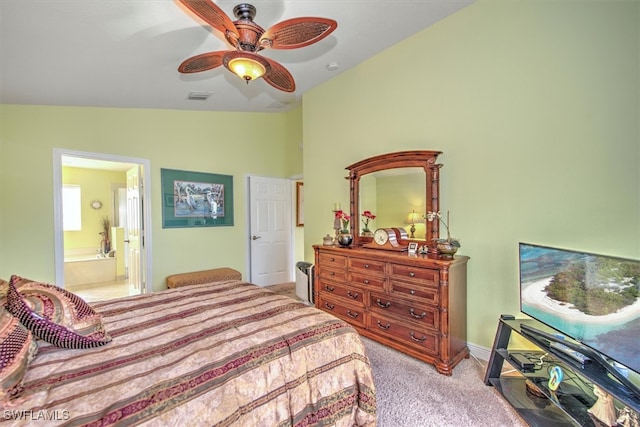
(224, 354)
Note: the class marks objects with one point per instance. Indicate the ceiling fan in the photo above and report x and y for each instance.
(248, 38)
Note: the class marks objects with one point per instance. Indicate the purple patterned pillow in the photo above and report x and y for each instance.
(59, 306)
(17, 349)
(42, 323)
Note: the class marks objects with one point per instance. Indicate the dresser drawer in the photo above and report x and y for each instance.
(352, 314)
(352, 294)
(366, 266)
(407, 272)
(419, 314)
(425, 341)
(332, 274)
(417, 291)
(367, 281)
(333, 261)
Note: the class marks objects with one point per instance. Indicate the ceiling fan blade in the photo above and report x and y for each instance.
(202, 62)
(210, 13)
(279, 77)
(297, 32)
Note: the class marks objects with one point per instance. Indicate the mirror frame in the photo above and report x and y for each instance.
(424, 159)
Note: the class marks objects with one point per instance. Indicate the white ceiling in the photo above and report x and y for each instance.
(125, 53)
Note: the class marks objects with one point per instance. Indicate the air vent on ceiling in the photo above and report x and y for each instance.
(199, 96)
(277, 105)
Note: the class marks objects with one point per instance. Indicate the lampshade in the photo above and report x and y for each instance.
(413, 217)
(247, 68)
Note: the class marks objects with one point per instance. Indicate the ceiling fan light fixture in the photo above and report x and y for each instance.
(247, 68)
(249, 38)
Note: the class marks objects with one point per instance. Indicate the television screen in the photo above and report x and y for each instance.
(594, 299)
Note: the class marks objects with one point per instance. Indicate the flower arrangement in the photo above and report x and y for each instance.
(344, 220)
(431, 216)
(368, 216)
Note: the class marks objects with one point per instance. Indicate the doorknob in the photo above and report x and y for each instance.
(255, 237)
(126, 241)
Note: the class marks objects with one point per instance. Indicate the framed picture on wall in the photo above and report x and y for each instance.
(196, 199)
(299, 204)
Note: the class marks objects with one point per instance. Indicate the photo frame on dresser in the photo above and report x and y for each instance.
(413, 248)
(196, 199)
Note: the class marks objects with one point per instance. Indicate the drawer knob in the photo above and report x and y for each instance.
(383, 304)
(381, 326)
(366, 266)
(352, 314)
(332, 259)
(329, 306)
(416, 339)
(329, 288)
(366, 281)
(352, 295)
(412, 274)
(331, 273)
(417, 316)
(412, 292)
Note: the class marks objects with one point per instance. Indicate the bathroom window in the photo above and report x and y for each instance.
(71, 208)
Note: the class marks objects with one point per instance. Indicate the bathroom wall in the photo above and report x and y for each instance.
(95, 185)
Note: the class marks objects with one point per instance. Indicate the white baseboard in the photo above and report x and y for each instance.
(481, 353)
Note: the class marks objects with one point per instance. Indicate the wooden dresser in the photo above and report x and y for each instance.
(417, 305)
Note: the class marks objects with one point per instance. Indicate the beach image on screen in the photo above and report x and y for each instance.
(591, 298)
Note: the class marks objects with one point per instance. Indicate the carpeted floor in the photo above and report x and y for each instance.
(288, 289)
(411, 393)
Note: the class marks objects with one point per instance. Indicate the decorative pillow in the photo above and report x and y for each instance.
(4, 287)
(17, 349)
(55, 315)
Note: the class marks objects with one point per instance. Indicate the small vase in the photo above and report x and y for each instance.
(366, 233)
(105, 246)
(447, 248)
(344, 239)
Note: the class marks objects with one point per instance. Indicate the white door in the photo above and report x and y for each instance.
(270, 230)
(134, 231)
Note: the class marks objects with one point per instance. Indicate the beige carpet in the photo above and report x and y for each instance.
(411, 393)
(288, 289)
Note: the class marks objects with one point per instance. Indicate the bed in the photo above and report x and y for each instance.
(226, 353)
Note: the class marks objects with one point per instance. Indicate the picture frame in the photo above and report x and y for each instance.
(299, 204)
(413, 248)
(196, 199)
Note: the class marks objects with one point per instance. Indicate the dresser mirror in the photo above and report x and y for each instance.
(392, 186)
(392, 195)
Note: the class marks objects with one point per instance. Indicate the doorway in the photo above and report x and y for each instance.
(127, 267)
(270, 231)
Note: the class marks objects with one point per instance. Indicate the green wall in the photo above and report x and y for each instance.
(294, 153)
(237, 144)
(535, 107)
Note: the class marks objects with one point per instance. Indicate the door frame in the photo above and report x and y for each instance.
(58, 241)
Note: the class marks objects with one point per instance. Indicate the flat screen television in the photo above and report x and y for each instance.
(593, 299)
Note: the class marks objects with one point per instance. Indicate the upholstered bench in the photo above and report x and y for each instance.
(204, 276)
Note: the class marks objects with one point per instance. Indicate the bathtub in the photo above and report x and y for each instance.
(86, 267)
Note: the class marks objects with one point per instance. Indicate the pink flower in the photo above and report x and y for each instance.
(344, 218)
(368, 216)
